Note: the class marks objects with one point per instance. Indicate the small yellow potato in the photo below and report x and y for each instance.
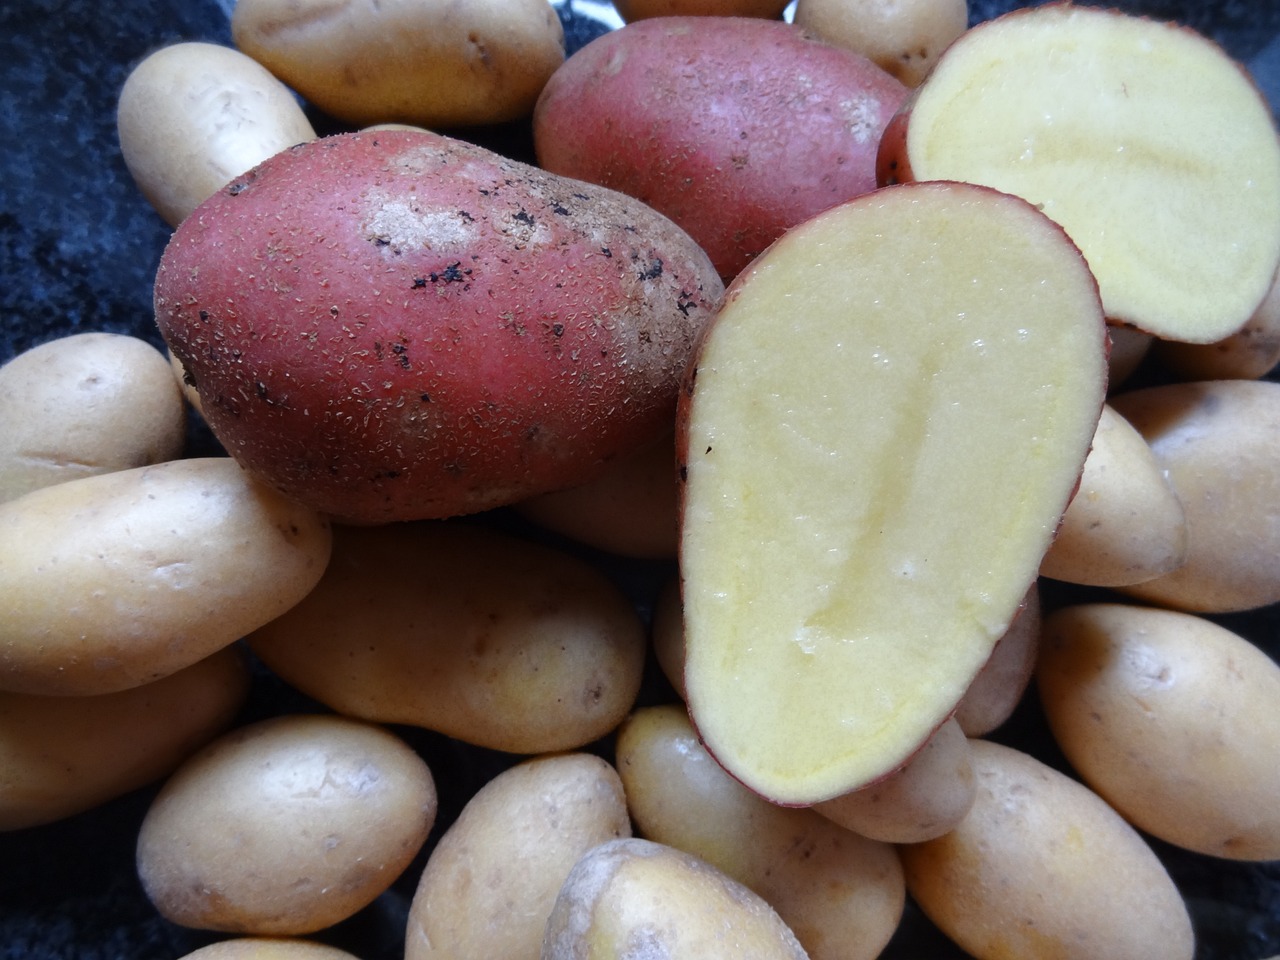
(1248, 354)
(904, 37)
(430, 63)
(267, 948)
(1042, 867)
(1172, 719)
(285, 826)
(1219, 443)
(923, 800)
(192, 117)
(1129, 348)
(490, 883)
(1125, 524)
(60, 756)
(629, 510)
(114, 581)
(840, 893)
(630, 10)
(999, 686)
(448, 625)
(83, 405)
(637, 898)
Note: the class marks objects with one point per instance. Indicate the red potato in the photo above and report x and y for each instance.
(761, 125)
(398, 325)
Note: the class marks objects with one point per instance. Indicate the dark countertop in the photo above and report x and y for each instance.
(78, 248)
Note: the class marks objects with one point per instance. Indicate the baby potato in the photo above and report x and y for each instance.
(494, 640)
(999, 686)
(1172, 719)
(491, 881)
(285, 826)
(267, 948)
(840, 893)
(192, 117)
(923, 800)
(1218, 442)
(1125, 524)
(63, 755)
(904, 37)
(83, 405)
(633, 897)
(434, 63)
(113, 581)
(1042, 867)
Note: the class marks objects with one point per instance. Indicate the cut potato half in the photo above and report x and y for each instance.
(877, 441)
(1150, 145)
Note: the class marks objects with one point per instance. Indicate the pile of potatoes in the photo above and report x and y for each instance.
(143, 593)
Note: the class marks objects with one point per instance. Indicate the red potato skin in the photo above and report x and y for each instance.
(734, 127)
(398, 325)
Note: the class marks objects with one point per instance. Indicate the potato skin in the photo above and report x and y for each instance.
(397, 325)
(762, 126)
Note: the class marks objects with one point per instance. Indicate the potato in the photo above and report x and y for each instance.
(285, 826)
(1172, 719)
(904, 37)
(113, 581)
(427, 62)
(459, 333)
(1125, 524)
(477, 634)
(630, 509)
(840, 893)
(1219, 444)
(267, 948)
(633, 897)
(1248, 354)
(82, 405)
(1129, 348)
(924, 799)
(490, 883)
(642, 9)
(60, 756)
(191, 117)
(999, 686)
(667, 634)
(1042, 867)
(761, 126)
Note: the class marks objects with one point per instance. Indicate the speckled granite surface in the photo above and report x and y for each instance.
(78, 247)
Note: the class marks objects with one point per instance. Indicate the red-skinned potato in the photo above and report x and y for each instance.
(398, 325)
(762, 126)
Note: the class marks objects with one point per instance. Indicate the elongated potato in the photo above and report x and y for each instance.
(490, 883)
(82, 405)
(480, 635)
(1219, 443)
(1042, 867)
(113, 581)
(840, 893)
(634, 897)
(63, 755)
(194, 116)
(1172, 719)
(285, 826)
(1125, 524)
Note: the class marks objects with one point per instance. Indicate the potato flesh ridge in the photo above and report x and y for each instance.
(888, 419)
(1151, 148)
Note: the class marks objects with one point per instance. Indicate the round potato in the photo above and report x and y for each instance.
(193, 116)
(632, 894)
(490, 883)
(114, 581)
(1042, 867)
(468, 631)
(83, 405)
(267, 948)
(63, 755)
(433, 63)
(285, 826)
(1170, 718)
(1219, 444)
(1125, 524)
(840, 893)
